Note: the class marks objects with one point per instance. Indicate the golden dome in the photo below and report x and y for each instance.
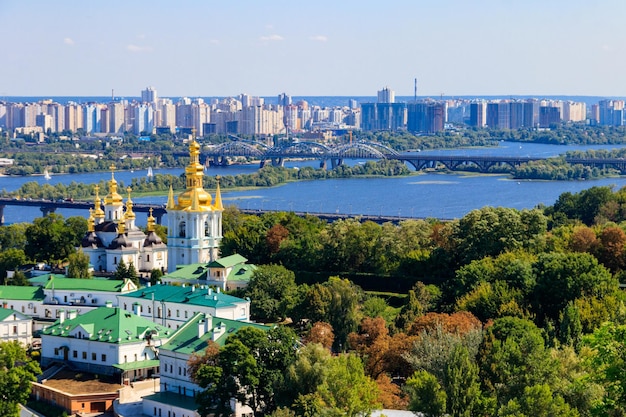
(113, 198)
(195, 195)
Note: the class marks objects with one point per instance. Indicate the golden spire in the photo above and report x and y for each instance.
(170, 199)
(129, 205)
(98, 212)
(218, 196)
(121, 226)
(194, 173)
(113, 198)
(195, 202)
(151, 221)
(91, 221)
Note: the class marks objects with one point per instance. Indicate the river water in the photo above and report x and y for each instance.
(420, 195)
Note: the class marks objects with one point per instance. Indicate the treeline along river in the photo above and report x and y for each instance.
(437, 195)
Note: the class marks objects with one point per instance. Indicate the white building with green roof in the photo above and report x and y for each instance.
(15, 326)
(107, 341)
(227, 273)
(176, 397)
(171, 306)
(94, 292)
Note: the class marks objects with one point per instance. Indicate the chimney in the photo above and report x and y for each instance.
(72, 314)
(109, 304)
(149, 284)
(210, 291)
(137, 309)
(204, 325)
(201, 325)
(61, 316)
(193, 288)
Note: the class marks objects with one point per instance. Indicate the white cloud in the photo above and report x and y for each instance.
(68, 41)
(136, 48)
(319, 38)
(272, 38)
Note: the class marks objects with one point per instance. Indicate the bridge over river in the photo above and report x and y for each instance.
(48, 206)
(222, 154)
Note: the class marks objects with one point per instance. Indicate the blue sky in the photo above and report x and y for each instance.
(341, 48)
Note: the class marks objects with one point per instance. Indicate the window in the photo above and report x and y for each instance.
(104, 357)
(159, 312)
(177, 313)
(85, 355)
(169, 313)
(93, 356)
(75, 354)
(135, 357)
(64, 299)
(14, 329)
(23, 309)
(125, 358)
(182, 229)
(149, 310)
(148, 258)
(185, 313)
(207, 231)
(56, 351)
(35, 310)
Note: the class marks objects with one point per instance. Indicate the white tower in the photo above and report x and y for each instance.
(194, 224)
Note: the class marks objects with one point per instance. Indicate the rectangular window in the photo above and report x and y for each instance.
(75, 354)
(14, 329)
(85, 355)
(93, 356)
(56, 351)
(104, 357)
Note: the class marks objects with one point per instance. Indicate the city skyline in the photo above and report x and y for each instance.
(322, 48)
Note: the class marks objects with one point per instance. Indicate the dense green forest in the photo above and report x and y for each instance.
(500, 313)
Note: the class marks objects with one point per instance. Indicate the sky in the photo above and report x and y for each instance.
(207, 48)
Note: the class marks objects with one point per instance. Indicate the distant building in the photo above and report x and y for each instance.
(549, 116)
(478, 114)
(426, 117)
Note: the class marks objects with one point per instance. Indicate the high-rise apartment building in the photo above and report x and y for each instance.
(426, 117)
(498, 115)
(549, 116)
(478, 114)
(149, 95)
(386, 95)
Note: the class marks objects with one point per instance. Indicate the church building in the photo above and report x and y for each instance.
(112, 236)
(194, 219)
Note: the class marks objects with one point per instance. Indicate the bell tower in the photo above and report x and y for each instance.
(194, 219)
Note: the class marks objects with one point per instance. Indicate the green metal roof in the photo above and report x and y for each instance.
(228, 261)
(43, 279)
(7, 312)
(189, 272)
(172, 398)
(129, 366)
(57, 282)
(186, 341)
(14, 292)
(186, 295)
(241, 273)
(109, 325)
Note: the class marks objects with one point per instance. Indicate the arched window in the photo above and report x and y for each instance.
(182, 229)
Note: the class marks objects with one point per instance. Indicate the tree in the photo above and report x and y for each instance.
(78, 266)
(13, 236)
(564, 277)
(248, 368)
(320, 333)
(461, 383)
(17, 371)
(513, 356)
(155, 276)
(272, 289)
(10, 259)
(131, 273)
(607, 362)
(121, 272)
(537, 401)
(51, 239)
(346, 390)
(425, 394)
